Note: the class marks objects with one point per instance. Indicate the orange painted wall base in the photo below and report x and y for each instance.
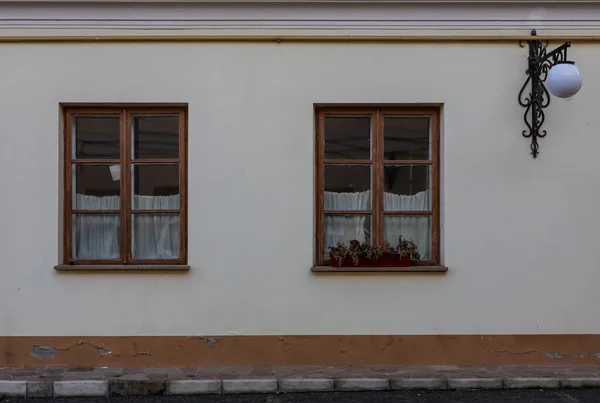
(328, 350)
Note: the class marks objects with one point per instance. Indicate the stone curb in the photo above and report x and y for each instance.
(195, 387)
(419, 383)
(81, 388)
(292, 385)
(134, 387)
(475, 383)
(580, 382)
(13, 388)
(231, 386)
(362, 384)
(131, 387)
(531, 383)
(40, 389)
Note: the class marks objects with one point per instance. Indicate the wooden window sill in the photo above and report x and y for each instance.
(411, 269)
(124, 267)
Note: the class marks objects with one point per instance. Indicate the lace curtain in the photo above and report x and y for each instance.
(98, 236)
(345, 228)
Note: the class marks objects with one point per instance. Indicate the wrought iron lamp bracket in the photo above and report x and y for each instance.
(538, 97)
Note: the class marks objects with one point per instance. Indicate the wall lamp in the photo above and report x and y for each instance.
(546, 69)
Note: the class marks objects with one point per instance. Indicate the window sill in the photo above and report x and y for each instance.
(411, 269)
(123, 267)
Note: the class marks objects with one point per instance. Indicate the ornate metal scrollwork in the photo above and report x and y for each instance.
(538, 97)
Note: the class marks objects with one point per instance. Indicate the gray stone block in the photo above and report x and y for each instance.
(306, 385)
(80, 388)
(362, 384)
(580, 382)
(531, 383)
(40, 389)
(120, 387)
(249, 385)
(194, 387)
(475, 383)
(13, 388)
(419, 383)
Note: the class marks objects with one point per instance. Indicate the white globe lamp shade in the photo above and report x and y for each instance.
(564, 80)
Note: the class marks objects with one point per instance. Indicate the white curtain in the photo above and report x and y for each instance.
(345, 228)
(342, 228)
(98, 236)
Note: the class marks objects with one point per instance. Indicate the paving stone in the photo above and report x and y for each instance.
(531, 383)
(580, 382)
(40, 389)
(194, 387)
(475, 383)
(134, 370)
(52, 371)
(13, 388)
(80, 388)
(361, 384)
(121, 387)
(261, 372)
(419, 383)
(80, 369)
(249, 385)
(134, 377)
(306, 385)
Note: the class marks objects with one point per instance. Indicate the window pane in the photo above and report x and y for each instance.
(96, 236)
(407, 188)
(415, 228)
(96, 137)
(406, 138)
(155, 136)
(155, 187)
(96, 187)
(347, 187)
(344, 228)
(155, 236)
(348, 137)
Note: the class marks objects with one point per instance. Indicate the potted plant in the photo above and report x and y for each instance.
(365, 255)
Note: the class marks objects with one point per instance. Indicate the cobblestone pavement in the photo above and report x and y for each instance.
(172, 373)
(572, 383)
(498, 396)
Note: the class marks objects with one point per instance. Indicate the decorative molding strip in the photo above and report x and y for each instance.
(392, 18)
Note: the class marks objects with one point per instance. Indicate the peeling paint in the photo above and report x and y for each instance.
(555, 355)
(43, 352)
(210, 341)
(507, 351)
(595, 355)
(104, 351)
(134, 352)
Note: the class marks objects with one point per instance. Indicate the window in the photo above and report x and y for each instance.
(125, 186)
(378, 178)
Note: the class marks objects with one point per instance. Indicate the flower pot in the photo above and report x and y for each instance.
(387, 260)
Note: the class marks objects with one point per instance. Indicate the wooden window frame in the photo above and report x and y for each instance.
(126, 160)
(377, 163)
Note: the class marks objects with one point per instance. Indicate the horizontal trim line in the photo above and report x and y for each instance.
(94, 36)
(391, 18)
(330, 2)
